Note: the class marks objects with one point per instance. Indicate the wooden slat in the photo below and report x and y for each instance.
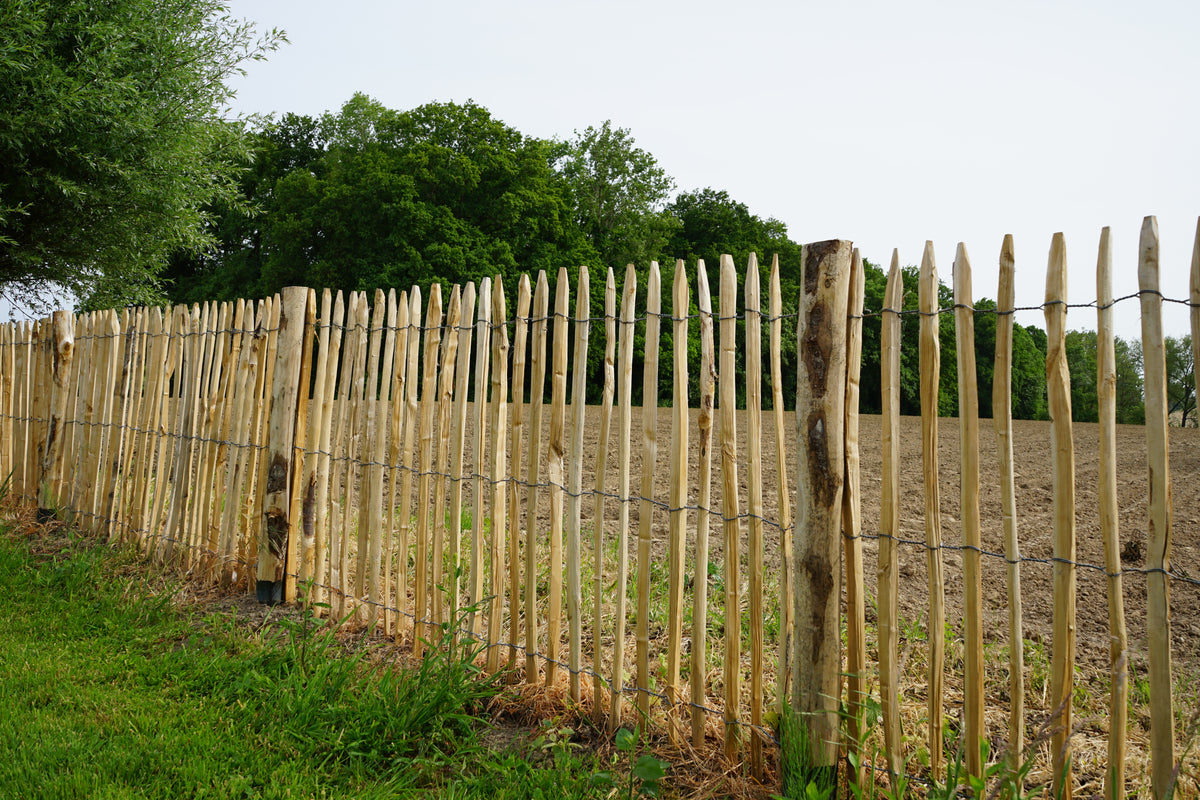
(1118, 636)
(582, 326)
(649, 464)
(217, 433)
(62, 344)
(1158, 551)
(483, 342)
(856, 600)
(499, 467)
(445, 406)
(555, 466)
(174, 459)
(379, 380)
(931, 365)
(968, 437)
(341, 460)
(625, 423)
(516, 467)
(393, 617)
(889, 521)
(677, 515)
(381, 559)
(708, 375)
(458, 438)
(410, 443)
(370, 527)
(239, 458)
(1002, 421)
(432, 331)
(783, 495)
(820, 404)
(265, 380)
(316, 467)
(730, 511)
(537, 390)
(353, 533)
(599, 489)
(756, 564)
(1058, 389)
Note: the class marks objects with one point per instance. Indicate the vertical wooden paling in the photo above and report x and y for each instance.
(260, 464)
(856, 605)
(409, 399)
(214, 435)
(432, 333)
(383, 448)
(225, 445)
(458, 438)
(276, 524)
(730, 513)
(379, 379)
(483, 341)
(820, 418)
(499, 466)
(625, 423)
(1058, 390)
(445, 405)
(1195, 304)
(516, 464)
(396, 432)
(1158, 550)
(1118, 637)
(575, 493)
(367, 417)
(167, 475)
(537, 391)
(889, 520)
(680, 306)
(599, 486)
(787, 603)
(120, 485)
(1002, 421)
(302, 525)
(555, 465)
(316, 466)
(708, 375)
(649, 464)
(239, 459)
(931, 364)
(968, 428)
(353, 579)
(62, 343)
(753, 306)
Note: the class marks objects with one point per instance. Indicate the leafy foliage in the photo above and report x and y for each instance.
(113, 141)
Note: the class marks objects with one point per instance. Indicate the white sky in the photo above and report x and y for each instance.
(881, 122)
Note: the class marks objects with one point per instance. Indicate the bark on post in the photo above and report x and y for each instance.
(820, 418)
(276, 522)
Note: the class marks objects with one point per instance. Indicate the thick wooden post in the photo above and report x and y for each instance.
(275, 532)
(820, 418)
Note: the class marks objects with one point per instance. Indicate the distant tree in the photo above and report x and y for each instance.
(1181, 385)
(1131, 407)
(114, 140)
(618, 193)
(1081, 361)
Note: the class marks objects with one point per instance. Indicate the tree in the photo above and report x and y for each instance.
(617, 192)
(1181, 385)
(113, 140)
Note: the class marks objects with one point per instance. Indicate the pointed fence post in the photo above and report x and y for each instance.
(811, 733)
(63, 346)
(275, 533)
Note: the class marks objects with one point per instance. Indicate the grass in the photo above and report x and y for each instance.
(109, 689)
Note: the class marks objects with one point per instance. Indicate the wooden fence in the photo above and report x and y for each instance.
(397, 458)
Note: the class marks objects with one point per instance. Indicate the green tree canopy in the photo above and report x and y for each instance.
(114, 140)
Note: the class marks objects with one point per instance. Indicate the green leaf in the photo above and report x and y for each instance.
(626, 740)
(649, 768)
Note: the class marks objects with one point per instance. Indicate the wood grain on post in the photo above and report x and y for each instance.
(575, 493)
(341, 460)
(1058, 390)
(330, 348)
(483, 343)
(708, 376)
(520, 350)
(649, 464)
(432, 334)
(598, 488)
(931, 365)
(276, 524)
(20, 403)
(259, 454)
(446, 386)
(176, 489)
(411, 384)
(820, 418)
(677, 515)
(499, 468)
(113, 416)
(625, 423)
(378, 390)
(239, 459)
(856, 601)
(1118, 636)
(787, 603)
(221, 409)
(968, 427)
(364, 464)
(756, 565)
(537, 391)
(1158, 551)
(393, 616)
(354, 581)
(124, 453)
(1195, 304)
(889, 520)
(302, 524)
(1002, 421)
(206, 430)
(555, 466)
(730, 511)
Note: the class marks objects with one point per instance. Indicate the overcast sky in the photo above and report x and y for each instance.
(884, 123)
